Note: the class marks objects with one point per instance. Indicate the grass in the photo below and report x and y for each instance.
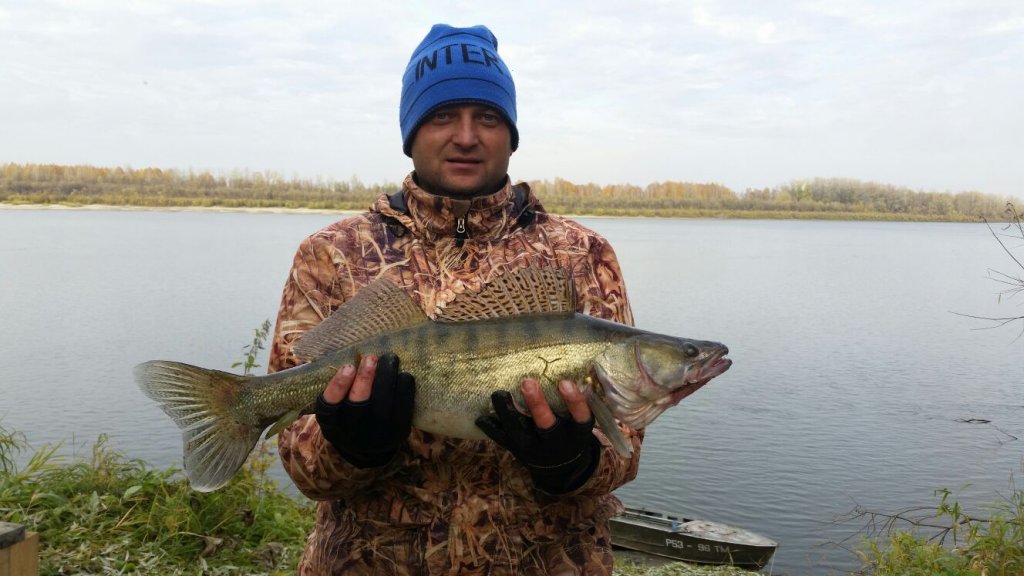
(107, 514)
(950, 542)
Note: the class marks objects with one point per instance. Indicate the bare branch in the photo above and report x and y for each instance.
(1014, 284)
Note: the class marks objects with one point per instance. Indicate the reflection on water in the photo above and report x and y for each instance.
(850, 381)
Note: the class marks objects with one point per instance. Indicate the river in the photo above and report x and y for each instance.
(855, 382)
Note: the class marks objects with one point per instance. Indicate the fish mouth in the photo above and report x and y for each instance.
(699, 376)
(710, 368)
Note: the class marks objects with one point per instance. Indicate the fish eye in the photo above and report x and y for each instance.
(691, 350)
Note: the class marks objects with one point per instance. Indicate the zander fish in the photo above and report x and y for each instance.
(520, 324)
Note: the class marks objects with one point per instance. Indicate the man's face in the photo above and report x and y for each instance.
(462, 151)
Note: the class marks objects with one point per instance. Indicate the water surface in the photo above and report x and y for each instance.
(851, 378)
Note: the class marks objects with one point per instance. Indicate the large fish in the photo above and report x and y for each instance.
(520, 324)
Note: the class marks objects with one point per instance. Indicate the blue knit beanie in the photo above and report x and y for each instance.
(455, 65)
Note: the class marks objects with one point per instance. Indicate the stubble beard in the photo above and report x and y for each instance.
(439, 188)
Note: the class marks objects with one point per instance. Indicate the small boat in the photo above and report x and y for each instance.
(697, 541)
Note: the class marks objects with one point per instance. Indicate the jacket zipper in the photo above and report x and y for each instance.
(461, 208)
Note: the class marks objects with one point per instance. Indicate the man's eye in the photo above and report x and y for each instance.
(490, 118)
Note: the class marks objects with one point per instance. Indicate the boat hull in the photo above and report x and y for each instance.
(687, 540)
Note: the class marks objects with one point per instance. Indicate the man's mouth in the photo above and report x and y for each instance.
(463, 161)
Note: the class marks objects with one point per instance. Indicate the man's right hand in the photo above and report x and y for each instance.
(366, 413)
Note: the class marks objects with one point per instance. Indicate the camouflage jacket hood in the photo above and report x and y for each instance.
(446, 505)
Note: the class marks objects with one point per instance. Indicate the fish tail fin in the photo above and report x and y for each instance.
(606, 422)
(200, 401)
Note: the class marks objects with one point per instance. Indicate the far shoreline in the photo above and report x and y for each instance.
(696, 215)
(240, 209)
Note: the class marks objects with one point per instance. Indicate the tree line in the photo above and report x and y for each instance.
(835, 198)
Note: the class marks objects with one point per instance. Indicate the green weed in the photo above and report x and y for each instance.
(111, 515)
(958, 545)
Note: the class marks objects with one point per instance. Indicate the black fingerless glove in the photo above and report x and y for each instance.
(369, 433)
(560, 458)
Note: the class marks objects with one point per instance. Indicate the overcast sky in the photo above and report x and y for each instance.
(927, 94)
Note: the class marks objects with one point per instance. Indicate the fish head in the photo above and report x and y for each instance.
(645, 375)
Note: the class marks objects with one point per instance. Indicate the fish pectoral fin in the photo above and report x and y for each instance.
(282, 423)
(606, 422)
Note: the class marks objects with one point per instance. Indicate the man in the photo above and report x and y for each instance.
(397, 500)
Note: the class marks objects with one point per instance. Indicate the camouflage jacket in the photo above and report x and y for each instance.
(445, 505)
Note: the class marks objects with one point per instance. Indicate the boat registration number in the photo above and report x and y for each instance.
(700, 547)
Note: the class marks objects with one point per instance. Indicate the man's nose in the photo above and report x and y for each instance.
(465, 131)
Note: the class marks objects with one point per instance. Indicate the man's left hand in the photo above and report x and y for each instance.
(560, 452)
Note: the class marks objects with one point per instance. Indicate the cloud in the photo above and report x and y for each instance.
(743, 29)
(746, 93)
(1008, 26)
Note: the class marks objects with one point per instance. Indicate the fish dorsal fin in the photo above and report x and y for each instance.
(531, 290)
(377, 308)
